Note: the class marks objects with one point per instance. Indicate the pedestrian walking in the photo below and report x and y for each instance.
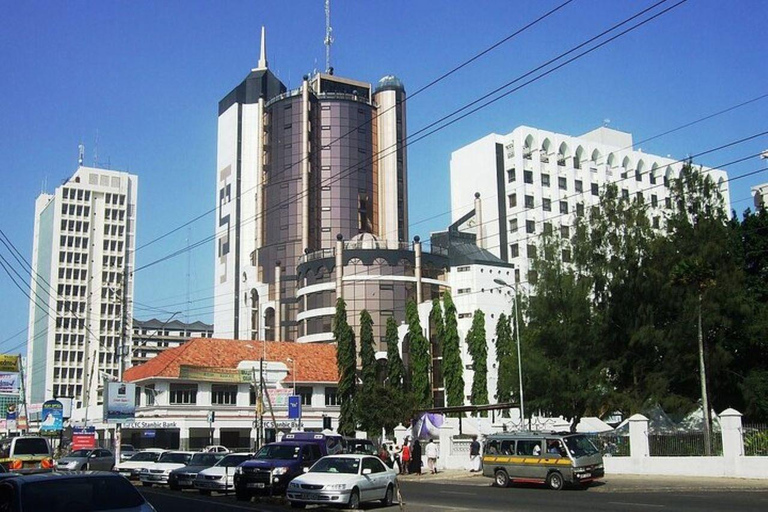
(432, 453)
(474, 455)
(406, 458)
(384, 456)
(415, 465)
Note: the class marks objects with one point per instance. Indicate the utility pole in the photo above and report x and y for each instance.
(704, 400)
(121, 351)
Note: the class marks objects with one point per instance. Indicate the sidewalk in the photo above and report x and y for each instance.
(613, 483)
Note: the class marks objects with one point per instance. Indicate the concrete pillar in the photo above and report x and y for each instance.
(278, 302)
(733, 440)
(447, 431)
(417, 268)
(638, 436)
(400, 434)
(339, 266)
(479, 221)
(305, 163)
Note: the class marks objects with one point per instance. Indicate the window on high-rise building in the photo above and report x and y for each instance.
(639, 196)
(668, 202)
(579, 209)
(511, 175)
(595, 189)
(530, 226)
(656, 222)
(638, 176)
(529, 202)
(513, 225)
(528, 176)
(565, 232)
(545, 180)
(514, 251)
(547, 228)
(579, 185)
(512, 200)
(566, 255)
(531, 251)
(654, 200)
(562, 183)
(625, 194)
(563, 207)
(546, 204)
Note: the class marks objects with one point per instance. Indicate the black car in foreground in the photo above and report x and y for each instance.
(184, 478)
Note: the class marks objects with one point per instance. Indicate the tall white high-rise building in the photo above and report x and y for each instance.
(83, 249)
(531, 180)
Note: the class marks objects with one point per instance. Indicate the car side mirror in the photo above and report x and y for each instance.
(305, 470)
(367, 471)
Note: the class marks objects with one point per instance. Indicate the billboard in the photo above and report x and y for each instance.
(119, 402)
(52, 417)
(202, 373)
(10, 417)
(9, 383)
(294, 407)
(279, 397)
(9, 363)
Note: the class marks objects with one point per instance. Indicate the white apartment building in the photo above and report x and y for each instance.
(760, 195)
(151, 337)
(533, 180)
(83, 247)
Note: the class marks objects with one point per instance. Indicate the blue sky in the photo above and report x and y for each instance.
(147, 76)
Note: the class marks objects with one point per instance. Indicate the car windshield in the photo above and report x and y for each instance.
(31, 446)
(79, 453)
(126, 448)
(145, 457)
(174, 458)
(580, 446)
(279, 451)
(231, 461)
(204, 459)
(80, 493)
(336, 465)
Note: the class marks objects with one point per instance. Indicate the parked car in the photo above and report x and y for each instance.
(184, 477)
(87, 459)
(60, 492)
(348, 479)
(126, 452)
(216, 448)
(141, 460)
(26, 454)
(158, 472)
(274, 466)
(220, 476)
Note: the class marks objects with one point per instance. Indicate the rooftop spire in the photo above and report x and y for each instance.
(263, 55)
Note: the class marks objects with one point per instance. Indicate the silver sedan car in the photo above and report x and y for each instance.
(344, 480)
(97, 458)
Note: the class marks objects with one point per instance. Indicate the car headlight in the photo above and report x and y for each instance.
(71, 465)
(294, 485)
(335, 487)
(280, 471)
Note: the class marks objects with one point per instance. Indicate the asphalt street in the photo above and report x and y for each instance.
(458, 493)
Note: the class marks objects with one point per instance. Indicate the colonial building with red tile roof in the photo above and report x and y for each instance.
(179, 388)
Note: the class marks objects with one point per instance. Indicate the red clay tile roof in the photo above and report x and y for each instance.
(315, 362)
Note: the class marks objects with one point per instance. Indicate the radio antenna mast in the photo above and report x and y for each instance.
(328, 37)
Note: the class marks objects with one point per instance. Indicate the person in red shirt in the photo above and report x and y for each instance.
(406, 457)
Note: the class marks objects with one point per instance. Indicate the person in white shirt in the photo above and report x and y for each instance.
(432, 454)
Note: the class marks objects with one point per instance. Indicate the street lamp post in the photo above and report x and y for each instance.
(517, 339)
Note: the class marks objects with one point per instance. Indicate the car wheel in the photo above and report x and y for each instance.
(84, 467)
(354, 500)
(146, 484)
(555, 481)
(388, 496)
(501, 478)
(205, 492)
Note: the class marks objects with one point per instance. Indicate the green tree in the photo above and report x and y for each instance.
(477, 346)
(395, 370)
(505, 361)
(368, 390)
(420, 358)
(346, 361)
(453, 369)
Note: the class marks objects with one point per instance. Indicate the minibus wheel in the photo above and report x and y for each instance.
(555, 481)
(501, 478)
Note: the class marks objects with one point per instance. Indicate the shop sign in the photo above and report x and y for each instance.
(9, 363)
(81, 441)
(9, 383)
(284, 424)
(141, 425)
(119, 402)
(150, 434)
(10, 417)
(279, 397)
(202, 373)
(53, 417)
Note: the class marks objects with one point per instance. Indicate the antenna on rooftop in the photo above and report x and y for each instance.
(328, 37)
(606, 122)
(96, 150)
(80, 154)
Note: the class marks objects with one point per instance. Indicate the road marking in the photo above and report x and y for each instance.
(635, 504)
(208, 502)
(458, 492)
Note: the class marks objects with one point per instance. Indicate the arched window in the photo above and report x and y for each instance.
(611, 162)
(528, 146)
(626, 164)
(596, 158)
(562, 154)
(578, 157)
(654, 173)
(546, 150)
(639, 171)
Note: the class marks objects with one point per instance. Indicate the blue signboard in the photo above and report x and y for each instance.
(52, 416)
(148, 433)
(294, 407)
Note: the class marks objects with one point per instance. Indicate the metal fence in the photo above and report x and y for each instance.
(755, 439)
(611, 444)
(683, 444)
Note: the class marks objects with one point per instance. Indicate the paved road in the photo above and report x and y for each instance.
(474, 494)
